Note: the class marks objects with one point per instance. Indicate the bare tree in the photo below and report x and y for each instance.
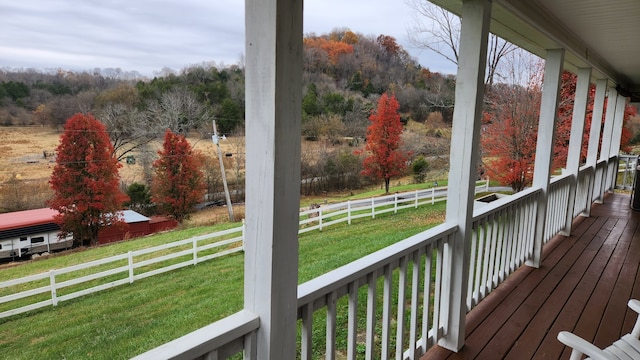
(436, 29)
(178, 110)
(129, 129)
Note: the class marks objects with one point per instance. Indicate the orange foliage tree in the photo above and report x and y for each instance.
(85, 180)
(333, 48)
(384, 159)
(178, 184)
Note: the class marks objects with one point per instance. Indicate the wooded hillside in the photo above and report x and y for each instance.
(344, 73)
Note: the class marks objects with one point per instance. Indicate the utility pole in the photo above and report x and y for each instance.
(216, 141)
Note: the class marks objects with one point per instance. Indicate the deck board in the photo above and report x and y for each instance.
(583, 286)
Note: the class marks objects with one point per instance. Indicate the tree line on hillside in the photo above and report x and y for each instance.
(345, 75)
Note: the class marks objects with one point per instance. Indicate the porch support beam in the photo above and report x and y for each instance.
(544, 147)
(621, 105)
(594, 137)
(609, 119)
(596, 122)
(273, 122)
(607, 138)
(575, 141)
(467, 118)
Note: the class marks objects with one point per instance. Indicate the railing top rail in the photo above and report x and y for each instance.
(206, 339)
(560, 178)
(586, 167)
(333, 280)
(501, 203)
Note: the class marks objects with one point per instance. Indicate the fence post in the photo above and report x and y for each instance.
(244, 228)
(433, 195)
(320, 218)
(52, 283)
(395, 203)
(349, 212)
(130, 267)
(416, 205)
(195, 251)
(373, 208)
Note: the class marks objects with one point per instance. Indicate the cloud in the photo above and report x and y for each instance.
(146, 35)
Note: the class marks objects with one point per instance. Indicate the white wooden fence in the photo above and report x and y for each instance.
(327, 215)
(49, 288)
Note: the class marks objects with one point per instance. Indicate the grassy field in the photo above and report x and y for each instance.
(125, 321)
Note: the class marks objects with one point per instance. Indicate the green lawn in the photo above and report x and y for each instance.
(125, 321)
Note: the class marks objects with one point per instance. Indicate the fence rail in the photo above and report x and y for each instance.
(48, 289)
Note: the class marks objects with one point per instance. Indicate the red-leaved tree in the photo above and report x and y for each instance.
(384, 159)
(510, 135)
(178, 184)
(85, 180)
(565, 116)
(511, 127)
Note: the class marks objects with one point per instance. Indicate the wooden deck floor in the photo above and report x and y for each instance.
(583, 286)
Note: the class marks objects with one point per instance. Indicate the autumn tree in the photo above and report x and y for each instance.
(178, 184)
(565, 116)
(334, 49)
(85, 180)
(511, 125)
(384, 160)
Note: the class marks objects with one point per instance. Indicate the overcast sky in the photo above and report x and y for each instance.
(148, 35)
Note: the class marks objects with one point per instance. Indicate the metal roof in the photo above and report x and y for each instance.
(26, 218)
(599, 34)
(130, 217)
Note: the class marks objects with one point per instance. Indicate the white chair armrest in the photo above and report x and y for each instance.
(635, 306)
(580, 346)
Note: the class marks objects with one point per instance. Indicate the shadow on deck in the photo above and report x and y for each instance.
(583, 286)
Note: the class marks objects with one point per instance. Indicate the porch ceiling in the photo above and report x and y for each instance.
(600, 34)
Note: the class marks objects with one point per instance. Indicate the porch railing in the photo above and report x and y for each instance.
(409, 273)
(557, 205)
(584, 184)
(626, 171)
(388, 303)
(220, 340)
(501, 242)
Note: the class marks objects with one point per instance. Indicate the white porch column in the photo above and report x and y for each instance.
(596, 122)
(607, 133)
(544, 147)
(467, 116)
(615, 142)
(621, 104)
(575, 141)
(273, 121)
(594, 137)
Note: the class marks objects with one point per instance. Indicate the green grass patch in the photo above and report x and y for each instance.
(127, 320)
